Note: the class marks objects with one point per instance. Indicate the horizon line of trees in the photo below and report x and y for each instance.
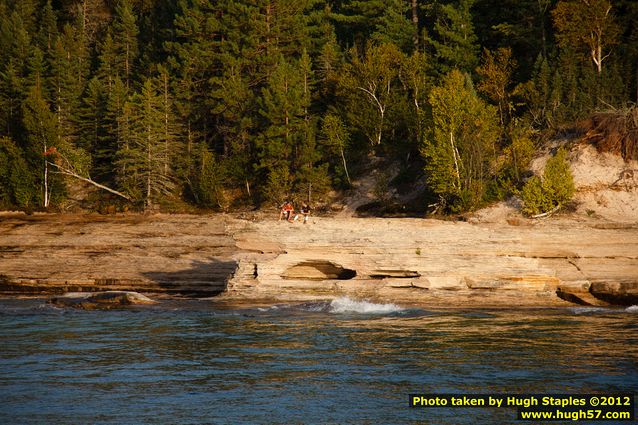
(213, 102)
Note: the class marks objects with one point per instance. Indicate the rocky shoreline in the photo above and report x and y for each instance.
(556, 262)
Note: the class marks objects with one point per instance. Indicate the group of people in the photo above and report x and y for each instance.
(288, 212)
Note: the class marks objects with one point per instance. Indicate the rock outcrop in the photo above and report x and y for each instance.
(553, 262)
(172, 254)
(559, 261)
(101, 300)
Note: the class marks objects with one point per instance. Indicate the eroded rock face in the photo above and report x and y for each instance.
(425, 262)
(172, 254)
(619, 293)
(318, 270)
(438, 263)
(101, 300)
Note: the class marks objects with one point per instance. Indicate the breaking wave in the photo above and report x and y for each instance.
(341, 305)
(595, 310)
(588, 310)
(348, 305)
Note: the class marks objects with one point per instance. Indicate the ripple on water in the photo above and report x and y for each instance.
(348, 361)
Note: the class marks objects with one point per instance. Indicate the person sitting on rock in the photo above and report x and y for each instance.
(286, 211)
(305, 212)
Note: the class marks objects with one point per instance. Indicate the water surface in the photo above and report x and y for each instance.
(191, 362)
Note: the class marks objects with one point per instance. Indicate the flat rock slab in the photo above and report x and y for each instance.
(60, 253)
(101, 300)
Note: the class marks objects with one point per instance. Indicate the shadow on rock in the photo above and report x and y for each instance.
(202, 279)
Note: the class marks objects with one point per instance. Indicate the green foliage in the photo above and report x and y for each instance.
(555, 190)
(278, 187)
(144, 171)
(460, 151)
(513, 160)
(264, 87)
(535, 199)
(125, 41)
(19, 187)
(337, 139)
(455, 42)
(209, 181)
(371, 85)
(558, 180)
(380, 21)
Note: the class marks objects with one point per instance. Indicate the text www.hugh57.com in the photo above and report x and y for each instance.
(573, 415)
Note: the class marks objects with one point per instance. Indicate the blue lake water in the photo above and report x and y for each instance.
(346, 362)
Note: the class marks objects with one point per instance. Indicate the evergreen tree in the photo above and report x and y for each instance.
(282, 107)
(11, 95)
(69, 69)
(142, 157)
(40, 127)
(363, 21)
(48, 28)
(107, 70)
(92, 128)
(125, 32)
(455, 42)
(19, 187)
(209, 180)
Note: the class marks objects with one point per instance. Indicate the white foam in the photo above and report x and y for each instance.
(348, 305)
(632, 309)
(585, 310)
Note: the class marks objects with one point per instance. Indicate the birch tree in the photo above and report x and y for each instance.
(372, 82)
(587, 24)
(461, 147)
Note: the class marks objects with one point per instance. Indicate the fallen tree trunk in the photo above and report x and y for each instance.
(68, 172)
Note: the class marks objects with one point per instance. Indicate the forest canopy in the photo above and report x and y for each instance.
(219, 103)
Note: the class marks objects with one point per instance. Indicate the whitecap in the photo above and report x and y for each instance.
(632, 309)
(587, 310)
(348, 305)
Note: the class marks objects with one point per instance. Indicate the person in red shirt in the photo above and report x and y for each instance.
(286, 211)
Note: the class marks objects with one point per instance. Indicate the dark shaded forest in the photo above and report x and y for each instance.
(229, 103)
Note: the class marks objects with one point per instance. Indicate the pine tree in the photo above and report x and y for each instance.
(69, 70)
(40, 126)
(282, 107)
(19, 187)
(456, 43)
(48, 28)
(107, 70)
(380, 21)
(92, 128)
(125, 32)
(142, 156)
(12, 92)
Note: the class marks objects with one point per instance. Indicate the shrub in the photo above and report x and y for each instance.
(555, 189)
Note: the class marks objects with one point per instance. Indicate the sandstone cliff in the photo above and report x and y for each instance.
(173, 254)
(438, 262)
(412, 261)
